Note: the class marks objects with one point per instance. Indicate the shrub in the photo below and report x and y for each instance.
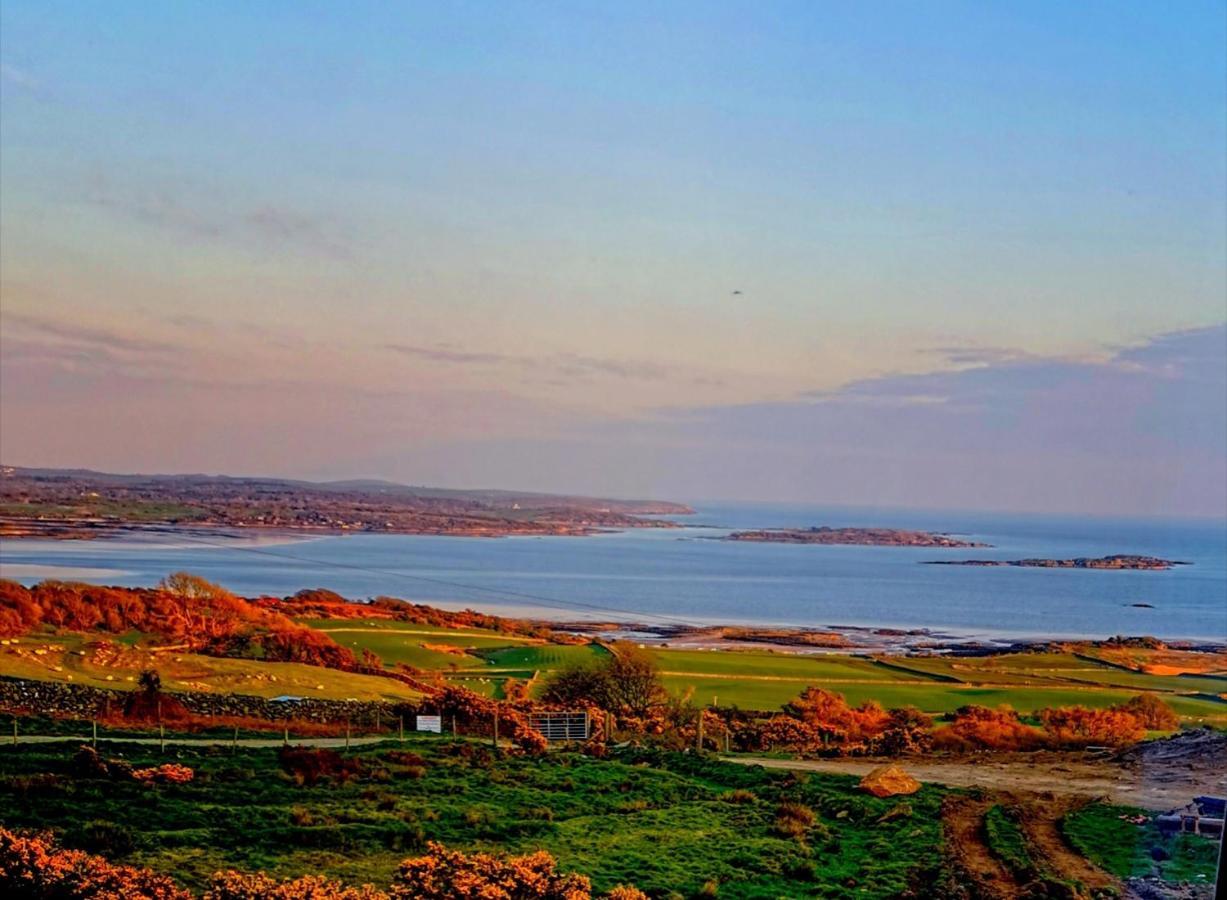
(444, 874)
(167, 773)
(107, 838)
(309, 767)
(33, 868)
(981, 728)
(1078, 726)
(1151, 711)
(236, 886)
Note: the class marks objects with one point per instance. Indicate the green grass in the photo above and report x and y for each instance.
(1006, 840)
(661, 821)
(544, 657)
(1124, 849)
(811, 668)
(128, 510)
(935, 698)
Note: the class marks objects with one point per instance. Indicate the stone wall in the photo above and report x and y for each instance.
(82, 702)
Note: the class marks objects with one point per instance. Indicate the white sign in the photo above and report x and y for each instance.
(430, 723)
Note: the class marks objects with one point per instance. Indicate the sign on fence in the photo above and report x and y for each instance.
(430, 723)
(561, 726)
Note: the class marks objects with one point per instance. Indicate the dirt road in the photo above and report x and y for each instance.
(1071, 774)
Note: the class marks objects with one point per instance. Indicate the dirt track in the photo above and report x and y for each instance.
(1157, 785)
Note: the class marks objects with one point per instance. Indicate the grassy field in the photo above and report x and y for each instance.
(1101, 834)
(482, 660)
(671, 824)
(762, 679)
(70, 659)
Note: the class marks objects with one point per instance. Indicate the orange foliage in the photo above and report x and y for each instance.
(235, 886)
(444, 874)
(1152, 712)
(183, 608)
(829, 714)
(33, 868)
(167, 773)
(981, 728)
(1078, 726)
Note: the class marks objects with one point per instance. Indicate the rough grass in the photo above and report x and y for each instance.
(1006, 840)
(61, 660)
(1124, 849)
(661, 821)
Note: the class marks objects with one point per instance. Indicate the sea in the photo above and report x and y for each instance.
(662, 576)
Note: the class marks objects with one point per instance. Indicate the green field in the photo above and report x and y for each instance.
(483, 660)
(69, 659)
(1124, 849)
(669, 823)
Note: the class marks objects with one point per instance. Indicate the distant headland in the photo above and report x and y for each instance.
(77, 503)
(865, 537)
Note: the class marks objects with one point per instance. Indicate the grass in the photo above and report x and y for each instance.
(1006, 840)
(1099, 833)
(546, 656)
(661, 821)
(755, 679)
(69, 659)
(811, 668)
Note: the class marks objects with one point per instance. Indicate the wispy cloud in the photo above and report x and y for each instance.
(572, 365)
(194, 212)
(18, 78)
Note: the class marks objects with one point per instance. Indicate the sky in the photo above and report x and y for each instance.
(943, 255)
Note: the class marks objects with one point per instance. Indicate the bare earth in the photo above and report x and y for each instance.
(1151, 784)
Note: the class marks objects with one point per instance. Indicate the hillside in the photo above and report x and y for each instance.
(79, 503)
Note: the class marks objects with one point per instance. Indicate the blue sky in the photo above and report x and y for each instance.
(511, 244)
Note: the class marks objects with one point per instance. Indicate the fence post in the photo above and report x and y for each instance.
(162, 737)
(285, 736)
(346, 732)
(14, 731)
(698, 743)
(496, 728)
(400, 723)
(94, 722)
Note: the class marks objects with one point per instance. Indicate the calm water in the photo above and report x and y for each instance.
(654, 575)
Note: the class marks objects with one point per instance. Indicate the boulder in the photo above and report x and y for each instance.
(887, 781)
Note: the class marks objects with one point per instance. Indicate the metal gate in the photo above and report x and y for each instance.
(561, 726)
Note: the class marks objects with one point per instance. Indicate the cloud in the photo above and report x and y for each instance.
(10, 74)
(198, 213)
(571, 365)
(1141, 431)
(71, 334)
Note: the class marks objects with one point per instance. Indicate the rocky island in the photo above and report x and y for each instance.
(1117, 561)
(865, 537)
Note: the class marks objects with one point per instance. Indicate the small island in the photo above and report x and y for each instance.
(866, 537)
(1117, 561)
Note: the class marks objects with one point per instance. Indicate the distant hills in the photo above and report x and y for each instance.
(82, 503)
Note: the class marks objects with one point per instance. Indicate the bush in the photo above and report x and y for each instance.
(444, 874)
(107, 838)
(309, 767)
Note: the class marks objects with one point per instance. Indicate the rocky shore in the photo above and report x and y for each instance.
(1117, 561)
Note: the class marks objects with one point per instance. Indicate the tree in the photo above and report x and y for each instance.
(634, 680)
(578, 684)
(1152, 712)
(150, 681)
